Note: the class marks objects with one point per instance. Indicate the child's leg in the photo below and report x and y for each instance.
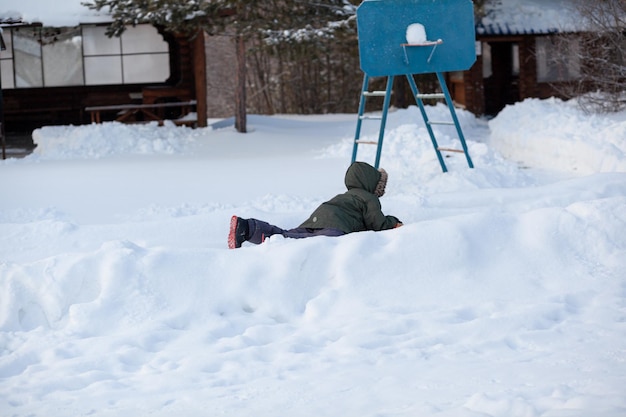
(303, 232)
(258, 230)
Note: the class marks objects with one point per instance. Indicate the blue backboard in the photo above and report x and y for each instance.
(385, 50)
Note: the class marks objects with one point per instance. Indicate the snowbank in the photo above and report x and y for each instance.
(96, 141)
(502, 296)
(558, 135)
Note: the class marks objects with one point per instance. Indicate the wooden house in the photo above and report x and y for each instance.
(516, 48)
(53, 74)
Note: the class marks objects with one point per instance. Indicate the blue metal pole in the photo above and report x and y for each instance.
(357, 134)
(383, 120)
(420, 104)
(444, 88)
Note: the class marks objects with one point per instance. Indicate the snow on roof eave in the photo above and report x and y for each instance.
(531, 17)
(13, 23)
(8, 25)
(498, 29)
(52, 14)
(57, 24)
(8, 21)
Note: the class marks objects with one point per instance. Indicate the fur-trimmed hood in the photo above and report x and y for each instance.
(364, 176)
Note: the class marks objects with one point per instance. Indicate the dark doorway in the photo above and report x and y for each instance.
(502, 76)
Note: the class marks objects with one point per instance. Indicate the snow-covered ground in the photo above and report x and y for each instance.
(503, 295)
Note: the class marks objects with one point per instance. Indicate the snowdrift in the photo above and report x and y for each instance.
(503, 295)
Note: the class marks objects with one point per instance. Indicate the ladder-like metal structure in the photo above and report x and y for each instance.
(419, 97)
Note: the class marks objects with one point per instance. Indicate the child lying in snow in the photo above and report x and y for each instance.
(356, 210)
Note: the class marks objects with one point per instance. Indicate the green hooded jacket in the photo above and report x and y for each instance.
(356, 210)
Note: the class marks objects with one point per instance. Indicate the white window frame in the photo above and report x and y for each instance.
(139, 56)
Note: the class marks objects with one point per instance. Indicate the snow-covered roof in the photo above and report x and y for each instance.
(50, 13)
(520, 17)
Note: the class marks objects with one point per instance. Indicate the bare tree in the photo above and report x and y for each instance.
(602, 54)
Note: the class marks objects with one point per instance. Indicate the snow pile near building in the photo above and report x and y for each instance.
(95, 141)
(558, 135)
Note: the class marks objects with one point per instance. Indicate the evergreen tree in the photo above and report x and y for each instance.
(484, 8)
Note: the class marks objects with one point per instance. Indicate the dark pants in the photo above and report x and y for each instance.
(258, 230)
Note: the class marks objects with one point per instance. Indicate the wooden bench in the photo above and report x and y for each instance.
(149, 111)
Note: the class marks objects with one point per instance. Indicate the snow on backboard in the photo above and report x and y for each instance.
(383, 27)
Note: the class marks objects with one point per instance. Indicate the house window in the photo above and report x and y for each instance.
(6, 61)
(557, 63)
(55, 57)
(61, 51)
(487, 64)
(515, 59)
(27, 57)
(140, 55)
(102, 56)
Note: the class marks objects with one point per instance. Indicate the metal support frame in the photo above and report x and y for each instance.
(383, 117)
(419, 99)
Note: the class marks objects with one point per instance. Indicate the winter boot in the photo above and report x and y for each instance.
(238, 232)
